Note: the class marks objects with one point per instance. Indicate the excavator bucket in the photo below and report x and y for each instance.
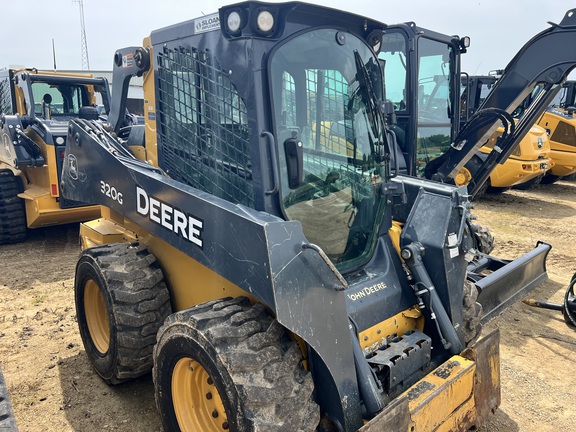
(501, 283)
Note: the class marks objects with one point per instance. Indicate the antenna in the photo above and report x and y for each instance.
(83, 42)
(54, 53)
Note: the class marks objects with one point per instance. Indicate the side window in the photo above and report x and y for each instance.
(63, 99)
(45, 93)
(434, 101)
(203, 130)
(393, 53)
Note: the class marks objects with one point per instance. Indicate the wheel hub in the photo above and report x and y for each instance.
(197, 403)
(96, 317)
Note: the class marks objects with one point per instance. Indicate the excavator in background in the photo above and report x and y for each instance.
(264, 255)
(560, 123)
(528, 164)
(35, 110)
(432, 102)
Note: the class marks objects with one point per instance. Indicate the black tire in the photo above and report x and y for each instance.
(12, 211)
(471, 313)
(121, 303)
(7, 419)
(550, 178)
(530, 183)
(495, 190)
(247, 373)
(483, 238)
(483, 189)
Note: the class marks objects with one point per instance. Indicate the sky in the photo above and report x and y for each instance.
(497, 28)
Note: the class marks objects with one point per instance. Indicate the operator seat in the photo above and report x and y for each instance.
(398, 144)
(88, 113)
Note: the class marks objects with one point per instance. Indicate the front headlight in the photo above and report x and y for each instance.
(265, 21)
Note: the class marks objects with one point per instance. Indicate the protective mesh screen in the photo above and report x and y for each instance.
(5, 96)
(203, 126)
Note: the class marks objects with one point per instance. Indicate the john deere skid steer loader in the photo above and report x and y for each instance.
(259, 254)
(35, 108)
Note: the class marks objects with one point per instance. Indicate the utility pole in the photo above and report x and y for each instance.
(83, 41)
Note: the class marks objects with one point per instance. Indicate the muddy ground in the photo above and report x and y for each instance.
(53, 387)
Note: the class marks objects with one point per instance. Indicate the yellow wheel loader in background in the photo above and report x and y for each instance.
(261, 253)
(35, 109)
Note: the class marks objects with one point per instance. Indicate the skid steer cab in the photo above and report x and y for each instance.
(35, 110)
(261, 257)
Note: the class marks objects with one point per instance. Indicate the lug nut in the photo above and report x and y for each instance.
(208, 395)
(215, 413)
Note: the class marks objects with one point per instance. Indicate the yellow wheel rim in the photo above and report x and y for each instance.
(197, 403)
(96, 317)
(463, 177)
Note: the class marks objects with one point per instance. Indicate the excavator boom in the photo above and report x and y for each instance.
(518, 81)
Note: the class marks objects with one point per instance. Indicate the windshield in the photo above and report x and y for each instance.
(325, 87)
(62, 99)
(393, 52)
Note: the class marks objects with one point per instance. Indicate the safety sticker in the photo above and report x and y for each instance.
(128, 60)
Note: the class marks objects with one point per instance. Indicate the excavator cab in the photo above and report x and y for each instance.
(433, 101)
(423, 82)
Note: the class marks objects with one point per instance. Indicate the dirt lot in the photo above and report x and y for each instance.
(53, 387)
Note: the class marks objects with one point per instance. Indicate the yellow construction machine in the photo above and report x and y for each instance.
(35, 109)
(261, 251)
(560, 123)
(530, 161)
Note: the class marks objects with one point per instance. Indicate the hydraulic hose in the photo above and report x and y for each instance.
(567, 307)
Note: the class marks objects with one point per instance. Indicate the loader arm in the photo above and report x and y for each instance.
(540, 61)
(128, 62)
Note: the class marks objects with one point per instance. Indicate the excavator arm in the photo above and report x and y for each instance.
(542, 61)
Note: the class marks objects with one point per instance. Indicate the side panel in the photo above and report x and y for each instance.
(259, 253)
